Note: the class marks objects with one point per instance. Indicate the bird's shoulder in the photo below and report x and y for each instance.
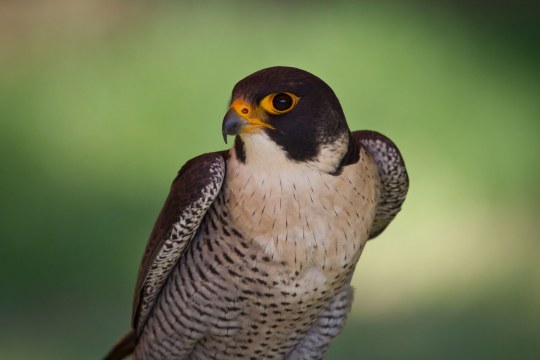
(393, 176)
(192, 192)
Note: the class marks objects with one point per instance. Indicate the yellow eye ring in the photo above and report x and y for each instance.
(279, 103)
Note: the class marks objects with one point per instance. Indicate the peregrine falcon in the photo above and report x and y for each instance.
(253, 252)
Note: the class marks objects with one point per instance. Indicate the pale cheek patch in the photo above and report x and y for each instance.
(330, 155)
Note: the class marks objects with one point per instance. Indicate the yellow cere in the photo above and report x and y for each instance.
(254, 116)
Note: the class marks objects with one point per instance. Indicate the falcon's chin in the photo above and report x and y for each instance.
(259, 151)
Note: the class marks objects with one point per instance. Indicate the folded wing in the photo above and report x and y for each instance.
(393, 174)
(192, 192)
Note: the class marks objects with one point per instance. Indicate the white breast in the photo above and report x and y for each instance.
(297, 214)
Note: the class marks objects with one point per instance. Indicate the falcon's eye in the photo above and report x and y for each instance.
(282, 102)
(279, 103)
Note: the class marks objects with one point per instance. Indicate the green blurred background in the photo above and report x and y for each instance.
(101, 102)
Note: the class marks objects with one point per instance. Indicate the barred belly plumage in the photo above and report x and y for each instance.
(235, 296)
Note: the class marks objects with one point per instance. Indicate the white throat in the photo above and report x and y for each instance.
(262, 153)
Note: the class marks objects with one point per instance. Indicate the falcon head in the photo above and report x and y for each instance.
(288, 113)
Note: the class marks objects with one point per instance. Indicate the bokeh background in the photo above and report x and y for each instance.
(101, 102)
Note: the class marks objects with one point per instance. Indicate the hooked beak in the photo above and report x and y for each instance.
(242, 118)
(233, 124)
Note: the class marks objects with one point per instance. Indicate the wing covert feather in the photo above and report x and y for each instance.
(192, 192)
(393, 174)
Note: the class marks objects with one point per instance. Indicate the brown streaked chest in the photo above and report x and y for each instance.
(312, 225)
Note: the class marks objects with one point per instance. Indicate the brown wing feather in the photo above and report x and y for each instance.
(393, 174)
(192, 192)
